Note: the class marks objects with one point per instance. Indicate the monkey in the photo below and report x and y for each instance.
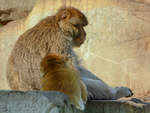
(55, 34)
(59, 76)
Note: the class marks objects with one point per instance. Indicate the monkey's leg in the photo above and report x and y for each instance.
(84, 93)
(98, 89)
(123, 92)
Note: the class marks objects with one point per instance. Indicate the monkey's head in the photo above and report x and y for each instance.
(72, 22)
(53, 61)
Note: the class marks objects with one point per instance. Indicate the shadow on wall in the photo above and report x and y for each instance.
(11, 14)
(4, 22)
(4, 16)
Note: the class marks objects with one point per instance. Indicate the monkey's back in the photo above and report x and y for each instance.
(64, 80)
(23, 69)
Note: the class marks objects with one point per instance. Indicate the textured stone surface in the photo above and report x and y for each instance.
(33, 102)
(120, 106)
(19, 4)
(15, 9)
(12, 14)
(54, 102)
(117, 45)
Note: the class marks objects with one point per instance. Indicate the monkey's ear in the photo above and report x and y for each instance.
(65, 14)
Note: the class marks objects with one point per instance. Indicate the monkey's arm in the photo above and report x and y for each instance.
(86, 74)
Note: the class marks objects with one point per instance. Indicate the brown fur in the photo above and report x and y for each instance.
(54, 34)
(58, 76)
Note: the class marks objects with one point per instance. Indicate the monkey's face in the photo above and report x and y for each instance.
(72, 22)
(80, 38)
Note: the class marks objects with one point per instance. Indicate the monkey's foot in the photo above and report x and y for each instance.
(123, 92)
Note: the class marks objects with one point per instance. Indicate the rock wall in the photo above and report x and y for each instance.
(117, 45)
(14, 9)
(17, 4)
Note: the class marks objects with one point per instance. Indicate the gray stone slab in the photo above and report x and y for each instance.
(117, 106)
(55, 102)
(33, 102)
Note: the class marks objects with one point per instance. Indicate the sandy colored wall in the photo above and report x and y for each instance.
(19, 4)
(118, 36)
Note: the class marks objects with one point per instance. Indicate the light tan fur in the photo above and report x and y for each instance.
(54, 34)
(59, 76)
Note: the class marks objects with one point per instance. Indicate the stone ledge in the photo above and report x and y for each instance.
(117, 106)
(55, 102)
